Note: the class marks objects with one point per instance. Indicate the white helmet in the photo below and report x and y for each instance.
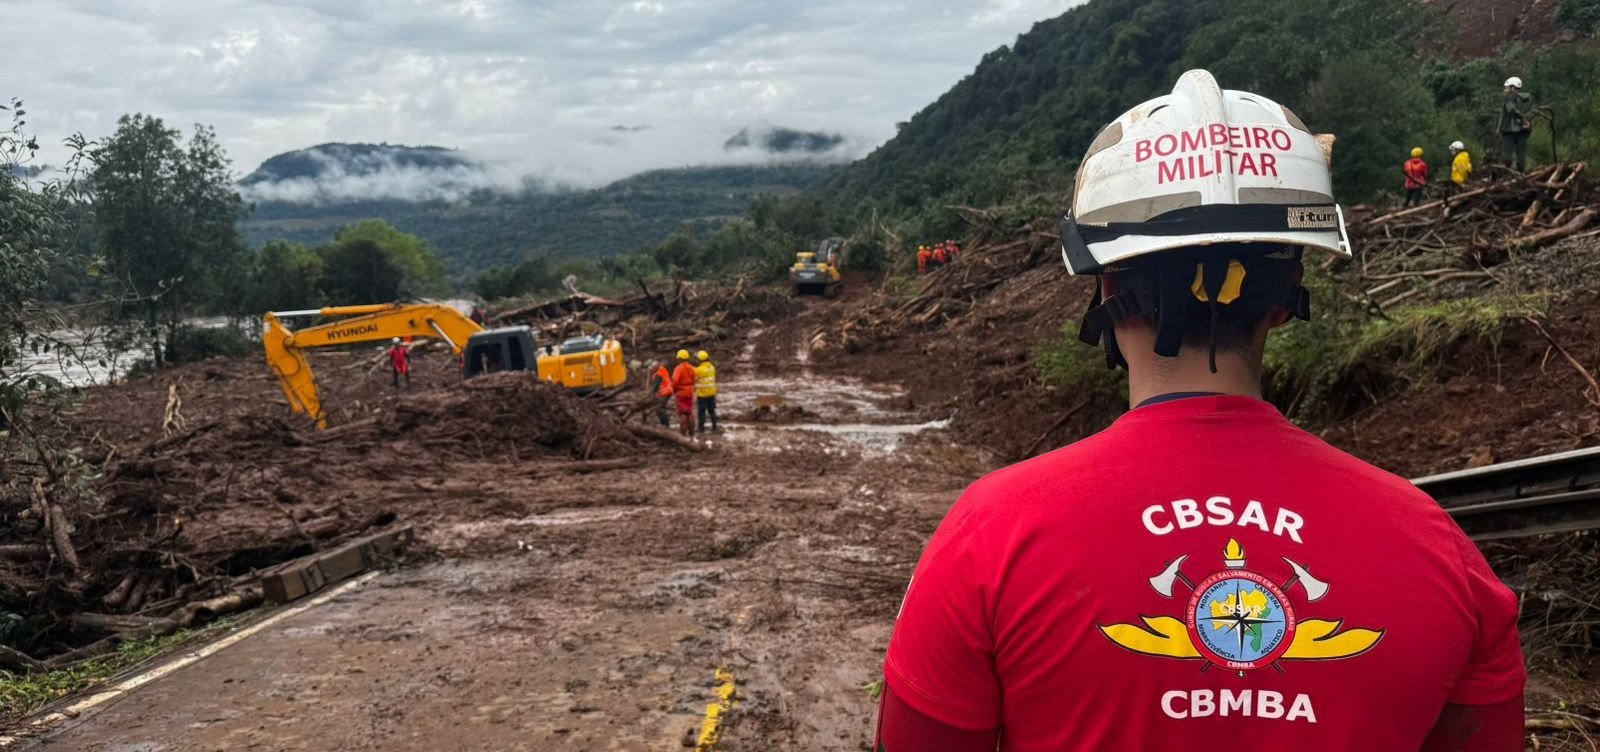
(1458, 146)
(1180, 176)
(1514, 82)
(395, 341)
(1198, 167)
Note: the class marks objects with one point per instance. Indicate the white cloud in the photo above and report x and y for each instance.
(522, 85)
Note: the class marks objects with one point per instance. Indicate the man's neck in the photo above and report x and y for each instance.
(1190, 373)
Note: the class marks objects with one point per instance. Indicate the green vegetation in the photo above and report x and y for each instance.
(21, 696)
(533, 275)
(367, 262)
(1017, 126)
(35, 229)
(164, 218)
(1582, 16)
(1346, 357)
(489, 230)
(1067, 363)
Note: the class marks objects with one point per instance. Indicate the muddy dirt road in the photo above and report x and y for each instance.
(591, 612)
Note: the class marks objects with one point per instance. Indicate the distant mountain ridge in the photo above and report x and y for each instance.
(781, 140)
(490, 228)
(326, 160)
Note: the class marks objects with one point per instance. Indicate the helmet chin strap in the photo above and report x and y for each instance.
(1168, 304)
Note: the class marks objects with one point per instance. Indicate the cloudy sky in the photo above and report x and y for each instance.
(536, 85)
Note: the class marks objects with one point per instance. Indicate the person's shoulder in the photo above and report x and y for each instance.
(1042, 474)
(1354, 474)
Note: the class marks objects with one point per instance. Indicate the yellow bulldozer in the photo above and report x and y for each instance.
(817, 273)
(583, 364)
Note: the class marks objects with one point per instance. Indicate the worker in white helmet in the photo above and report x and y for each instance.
(399, 362)
(1516, 124)
(1202, 572)
(1460, 166)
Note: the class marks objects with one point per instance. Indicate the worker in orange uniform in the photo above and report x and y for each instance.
(683, 382)
(939, 256)
(705, 391)
(399, 362)
(661, 384)
(923, 257)
(1416, 177)
(952, 251)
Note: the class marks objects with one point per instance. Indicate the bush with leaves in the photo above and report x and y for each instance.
(165, 215)
(34, 232)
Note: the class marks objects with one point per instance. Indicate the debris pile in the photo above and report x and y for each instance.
(1459, 239)
(177, 529)
(680, 315)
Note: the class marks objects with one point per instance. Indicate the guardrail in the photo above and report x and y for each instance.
(1556, 493)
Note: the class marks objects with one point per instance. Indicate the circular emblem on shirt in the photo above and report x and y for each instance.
(1240, 620)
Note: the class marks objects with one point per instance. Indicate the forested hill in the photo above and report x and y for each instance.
(1382, 74)
(490, 228)
(319, 162)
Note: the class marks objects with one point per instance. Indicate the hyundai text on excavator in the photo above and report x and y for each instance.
(584, 363)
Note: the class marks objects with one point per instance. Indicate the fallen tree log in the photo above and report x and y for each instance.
(663, 435)
(15, 660)
(1572, 227)
(23, 552)
(585, 467)
(115, 623)
(222, 605)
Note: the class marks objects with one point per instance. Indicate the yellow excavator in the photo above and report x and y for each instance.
(583, 364)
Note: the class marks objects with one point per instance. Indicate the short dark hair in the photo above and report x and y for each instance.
(1236, 326)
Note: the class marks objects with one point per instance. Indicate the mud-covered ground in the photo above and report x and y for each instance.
(584, 611)
(561, 603)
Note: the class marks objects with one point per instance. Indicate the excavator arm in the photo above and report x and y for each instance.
(286, 350)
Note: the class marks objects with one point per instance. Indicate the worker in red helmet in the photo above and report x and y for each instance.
(1203, 574)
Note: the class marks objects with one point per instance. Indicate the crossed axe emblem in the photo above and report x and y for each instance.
(1164, 582)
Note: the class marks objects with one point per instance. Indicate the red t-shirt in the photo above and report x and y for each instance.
(1048, 602)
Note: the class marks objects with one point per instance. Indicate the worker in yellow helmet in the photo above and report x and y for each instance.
(705, 390)
(1416, 177)
(683, 383)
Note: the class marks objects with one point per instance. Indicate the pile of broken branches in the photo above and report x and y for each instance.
(999, 256)
(1400, 254)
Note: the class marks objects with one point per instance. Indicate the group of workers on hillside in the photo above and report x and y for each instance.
(937, 255)
(692, 387)
(1515, 126)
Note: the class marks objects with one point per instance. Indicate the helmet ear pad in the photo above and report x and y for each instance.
(1188, 294)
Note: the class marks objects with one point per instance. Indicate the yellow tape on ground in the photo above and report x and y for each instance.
(711, 728)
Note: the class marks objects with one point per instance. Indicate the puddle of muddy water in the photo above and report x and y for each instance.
(834, 399)
(467, 531)
(868, 438)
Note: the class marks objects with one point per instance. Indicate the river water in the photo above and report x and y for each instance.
(89, 360)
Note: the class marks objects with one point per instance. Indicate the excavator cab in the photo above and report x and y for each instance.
(508, 349)
(811, 276)
(585, 364)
